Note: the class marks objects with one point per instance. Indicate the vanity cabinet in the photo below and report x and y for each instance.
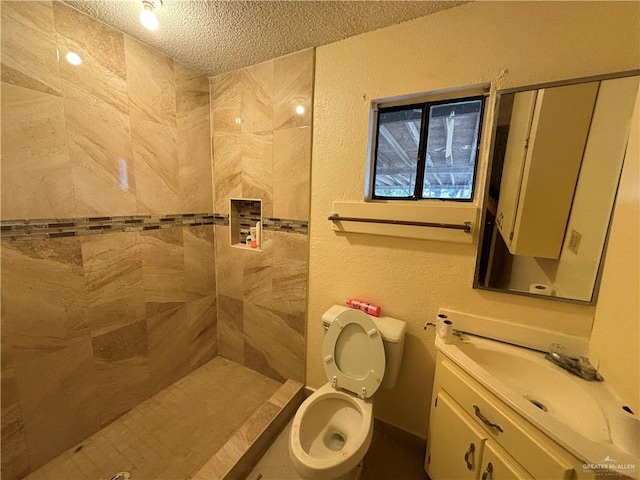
(462, 451)
(547, 136)
(474, 435)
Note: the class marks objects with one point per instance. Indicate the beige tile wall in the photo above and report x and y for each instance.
(91, 326)
(128, 122)
(262, 149)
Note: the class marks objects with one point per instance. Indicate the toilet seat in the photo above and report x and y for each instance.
(353, 354)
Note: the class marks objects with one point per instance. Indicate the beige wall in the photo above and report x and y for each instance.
(506, 43)
(615, 344)
(262, 150)
(93, 325)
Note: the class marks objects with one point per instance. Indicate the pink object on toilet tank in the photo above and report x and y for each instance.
(369, 308)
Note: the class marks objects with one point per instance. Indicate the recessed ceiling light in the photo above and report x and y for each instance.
(148, 17)
(299, 109)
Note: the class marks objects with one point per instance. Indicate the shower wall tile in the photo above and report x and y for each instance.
(278, 341)
(194, 141)
(152, 95)
(163, 270)
(257, 273)
(192, 100)
(291, 172)
(257, 169)
(256, 87)
(289, 277)
(102, 159)
(58, 394)
(293, 81)
(256, 359)
(6, 356)
(101, 78)
(262, 150)
(225, 103)
(227, 169)
(230, 328)
(29, 50)
(229, 265)
(94, 324)
(121, 359)
(168, 346)
(202, 330)
(36, 169)
(199, 262)
(157, 167)
(43, 297)
(195, 168)
(15, 460)
(113, 281)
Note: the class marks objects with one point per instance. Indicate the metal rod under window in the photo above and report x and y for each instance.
(466, 226)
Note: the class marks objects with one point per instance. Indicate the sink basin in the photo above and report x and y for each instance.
(586, 418)
(548, 387)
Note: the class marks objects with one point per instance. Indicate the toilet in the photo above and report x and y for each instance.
(332, 430)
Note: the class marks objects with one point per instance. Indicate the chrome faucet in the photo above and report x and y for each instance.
(578, 366)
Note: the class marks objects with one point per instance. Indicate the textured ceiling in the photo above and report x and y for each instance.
(218, 36)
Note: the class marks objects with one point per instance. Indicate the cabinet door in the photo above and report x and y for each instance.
(519, 130)
(455, 443)
(541, 166)
(498, 465)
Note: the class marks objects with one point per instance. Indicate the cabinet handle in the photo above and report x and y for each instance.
(469, 453)
(476, 408)
(487, 471)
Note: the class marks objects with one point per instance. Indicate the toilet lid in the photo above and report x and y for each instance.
(353, 353)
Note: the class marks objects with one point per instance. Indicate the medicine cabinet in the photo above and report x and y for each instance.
(557, 154)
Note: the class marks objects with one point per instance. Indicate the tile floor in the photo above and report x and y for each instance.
(172, 434)
(390, 457)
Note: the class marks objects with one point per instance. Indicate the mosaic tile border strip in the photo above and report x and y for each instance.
(286, 225)
(34, 229)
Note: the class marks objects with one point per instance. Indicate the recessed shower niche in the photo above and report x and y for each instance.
(244, 216)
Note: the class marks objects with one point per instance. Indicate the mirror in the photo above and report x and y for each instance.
(557, 154)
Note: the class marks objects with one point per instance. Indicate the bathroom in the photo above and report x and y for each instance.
(94, 325)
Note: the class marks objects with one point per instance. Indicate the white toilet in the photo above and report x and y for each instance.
(331, 431)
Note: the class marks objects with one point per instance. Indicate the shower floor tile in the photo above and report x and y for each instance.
(172, 434)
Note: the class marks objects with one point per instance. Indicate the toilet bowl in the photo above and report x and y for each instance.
(330, 434)
(332, 429)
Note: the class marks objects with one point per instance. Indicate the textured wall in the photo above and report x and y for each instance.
(262, 150)
(506, 43)
(616, 329)
(93, 325)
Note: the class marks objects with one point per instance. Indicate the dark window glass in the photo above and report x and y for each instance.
(397, 152)
(428, 150)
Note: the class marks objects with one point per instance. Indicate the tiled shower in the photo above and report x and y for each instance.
(117, 274)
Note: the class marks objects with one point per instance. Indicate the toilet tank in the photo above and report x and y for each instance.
(392, 332)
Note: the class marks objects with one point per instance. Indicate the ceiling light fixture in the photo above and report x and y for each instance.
(148, 17)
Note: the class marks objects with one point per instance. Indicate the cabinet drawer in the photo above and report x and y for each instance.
(536, 453)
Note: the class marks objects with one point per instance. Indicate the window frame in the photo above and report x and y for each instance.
(425, 102)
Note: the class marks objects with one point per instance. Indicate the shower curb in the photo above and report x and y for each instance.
(237, 457)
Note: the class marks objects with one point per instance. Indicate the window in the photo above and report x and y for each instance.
(426, 150)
